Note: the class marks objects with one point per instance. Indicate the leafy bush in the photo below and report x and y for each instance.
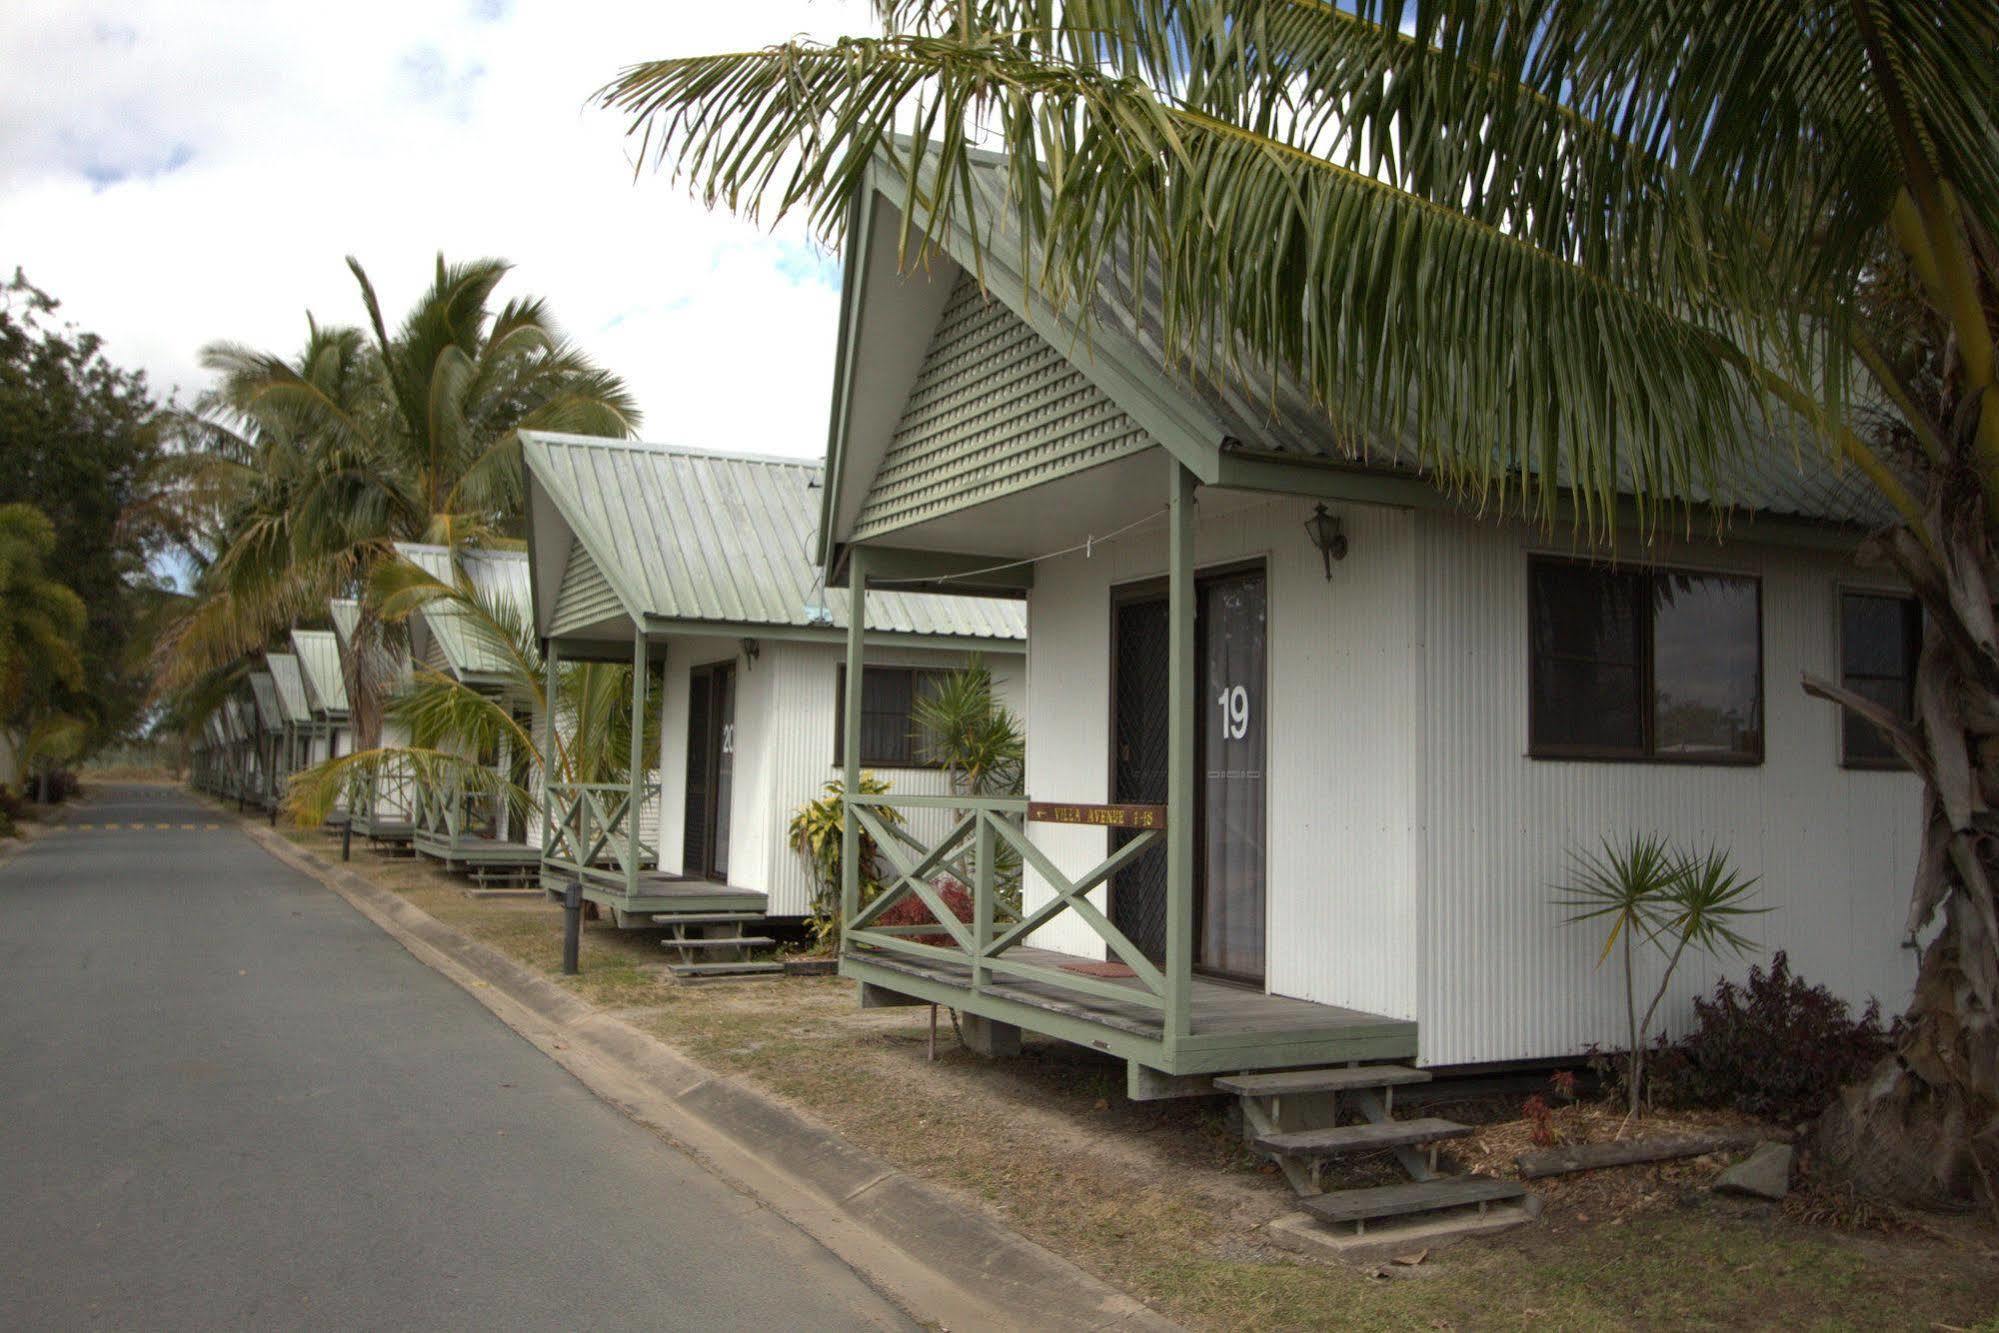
(818, 833)
(1777, 1047)
(913, 911)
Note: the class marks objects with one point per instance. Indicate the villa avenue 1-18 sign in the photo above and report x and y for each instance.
(1102, 816)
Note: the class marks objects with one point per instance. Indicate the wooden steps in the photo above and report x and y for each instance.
(1294, 1116)
(1428, 1196)
(705, 918)
(1293, 1082)
(1332, 1142)
(744, 968)
(720, 942)
(696, 938)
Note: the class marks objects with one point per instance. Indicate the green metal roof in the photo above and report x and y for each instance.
(318, 653)
(346, 614)
(290, 681)
(264, 699)
(707, 536)
(498, 577)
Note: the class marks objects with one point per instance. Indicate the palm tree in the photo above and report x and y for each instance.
(1569, 254)
(41, 645)
(320, 464)
(451, 724)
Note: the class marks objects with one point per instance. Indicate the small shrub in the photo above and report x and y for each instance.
(1776, 1047)
(913, 911)
(1536, 1111)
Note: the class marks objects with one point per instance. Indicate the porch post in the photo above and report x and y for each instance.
(636, 759)
(1180, 714)
(658, 757)
(850, 737)
(550, 662)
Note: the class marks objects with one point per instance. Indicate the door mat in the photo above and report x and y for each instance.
(1113, 970)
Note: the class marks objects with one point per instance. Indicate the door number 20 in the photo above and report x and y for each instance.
(1234, 703)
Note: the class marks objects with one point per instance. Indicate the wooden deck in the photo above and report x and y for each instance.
(1232, 1028)
(656, 891)
(469, 850)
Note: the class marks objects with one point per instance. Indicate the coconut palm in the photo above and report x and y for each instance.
(41, 645)
(450, 724)
(320, 464)
(1572, 255)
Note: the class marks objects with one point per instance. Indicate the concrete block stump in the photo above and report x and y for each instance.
(1764, 1174)
(995, 1041)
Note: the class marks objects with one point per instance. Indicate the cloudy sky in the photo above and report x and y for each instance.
(177, 171)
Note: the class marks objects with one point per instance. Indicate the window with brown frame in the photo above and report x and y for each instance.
(1880, 637)
(1657, 665)
(888, 715)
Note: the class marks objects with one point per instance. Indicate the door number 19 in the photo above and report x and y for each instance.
(1234, 703)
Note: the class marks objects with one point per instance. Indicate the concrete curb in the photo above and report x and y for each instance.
(941, 1257)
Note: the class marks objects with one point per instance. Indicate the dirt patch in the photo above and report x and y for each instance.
(1161, 1198)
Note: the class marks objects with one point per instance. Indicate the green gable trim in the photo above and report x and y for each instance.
(585, 597)
(995, 408)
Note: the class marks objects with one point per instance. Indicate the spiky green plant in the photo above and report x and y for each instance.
(1641, 891)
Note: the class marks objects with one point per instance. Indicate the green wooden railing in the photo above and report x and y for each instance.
(969, 853)
(592, 828)
(447, 811)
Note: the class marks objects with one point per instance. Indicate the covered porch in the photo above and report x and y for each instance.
(1024, 960)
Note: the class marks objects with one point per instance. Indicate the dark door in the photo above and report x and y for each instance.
(1231, 647)
(711, 763)
(1138, 763)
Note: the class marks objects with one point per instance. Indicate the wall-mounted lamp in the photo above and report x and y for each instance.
(752, 649)
(1327, 536)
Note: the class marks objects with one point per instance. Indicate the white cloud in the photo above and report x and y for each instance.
(178, 171)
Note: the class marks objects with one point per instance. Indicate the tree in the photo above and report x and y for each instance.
(42, 675)
(314, 467)
(1573, 256)
(451, 725)
(81, 441)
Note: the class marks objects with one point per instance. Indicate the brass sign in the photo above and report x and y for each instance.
(1101, 816)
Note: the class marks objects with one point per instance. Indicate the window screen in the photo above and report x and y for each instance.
(1663, 665)
(889, 736)
(1880, 637)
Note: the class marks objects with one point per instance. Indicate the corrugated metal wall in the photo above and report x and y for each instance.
(1342, 919)
(1503, 977)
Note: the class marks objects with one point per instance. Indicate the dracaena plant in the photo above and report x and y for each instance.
(1645, 895)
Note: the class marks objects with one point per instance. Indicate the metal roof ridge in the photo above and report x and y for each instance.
(658, 447)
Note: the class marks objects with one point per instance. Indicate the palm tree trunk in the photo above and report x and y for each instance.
(1924, 1127)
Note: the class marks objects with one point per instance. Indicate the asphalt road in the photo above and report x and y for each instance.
(228, 1101)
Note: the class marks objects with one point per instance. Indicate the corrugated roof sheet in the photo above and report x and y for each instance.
(292, 703)
(264, 697)
(318, 652)
(499, 578)
(1768, 474)
(689, 534)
